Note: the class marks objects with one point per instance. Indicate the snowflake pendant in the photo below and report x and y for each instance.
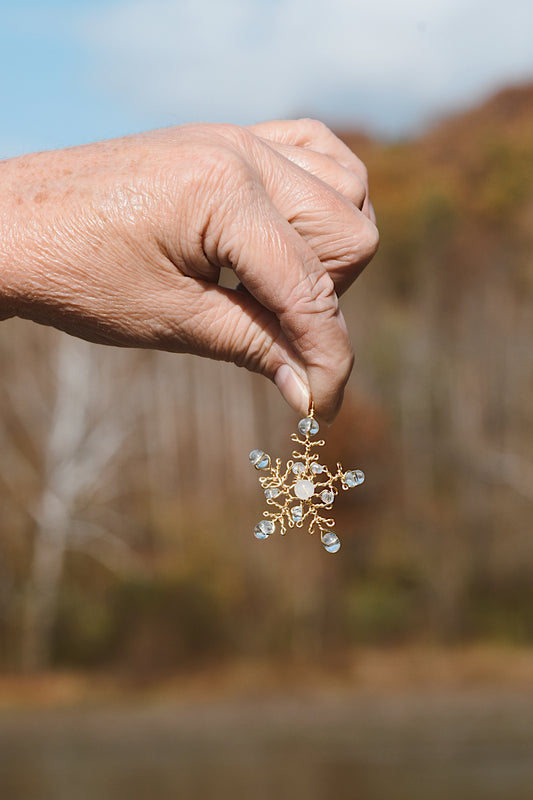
(304, 489)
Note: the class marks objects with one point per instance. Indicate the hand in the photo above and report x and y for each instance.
(122, 243)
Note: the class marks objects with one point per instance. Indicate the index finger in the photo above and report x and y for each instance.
(284, 274)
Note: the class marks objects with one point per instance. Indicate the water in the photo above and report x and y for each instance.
(410, 746)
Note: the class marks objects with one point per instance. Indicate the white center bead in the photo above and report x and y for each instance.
(304, 489)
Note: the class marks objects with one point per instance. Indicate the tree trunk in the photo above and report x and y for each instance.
(44, 584)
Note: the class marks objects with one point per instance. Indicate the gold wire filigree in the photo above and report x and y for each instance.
(303, 489)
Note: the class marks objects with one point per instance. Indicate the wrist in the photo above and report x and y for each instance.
(8, 281)
(23, 234)
(11, 252)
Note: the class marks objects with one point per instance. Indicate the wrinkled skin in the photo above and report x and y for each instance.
(122, 243)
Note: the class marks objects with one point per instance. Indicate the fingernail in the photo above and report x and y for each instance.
(372, 213)
(293, 389)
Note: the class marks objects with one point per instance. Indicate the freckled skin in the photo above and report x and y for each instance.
(122, 242)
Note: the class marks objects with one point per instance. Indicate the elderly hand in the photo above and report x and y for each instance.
(122, 243)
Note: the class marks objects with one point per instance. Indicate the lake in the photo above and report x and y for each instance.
(409, 745)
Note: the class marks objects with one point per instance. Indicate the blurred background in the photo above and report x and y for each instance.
(149, 645)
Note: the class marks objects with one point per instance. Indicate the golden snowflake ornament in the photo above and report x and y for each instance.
(303, 489)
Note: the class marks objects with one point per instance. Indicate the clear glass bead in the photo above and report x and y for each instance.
(309, 425)
(272, 493)
(327, 497)
(298, 467)
(263, 529)
(354, 477)
(316, 469)
(297, 513)
(330, 541)
(259, 459)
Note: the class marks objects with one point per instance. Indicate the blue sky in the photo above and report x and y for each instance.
(73, 71)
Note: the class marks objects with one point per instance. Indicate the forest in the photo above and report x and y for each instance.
(127, 501)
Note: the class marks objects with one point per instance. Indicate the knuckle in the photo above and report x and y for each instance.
(357, 191)
(223, 157)
(234, 190)
(359, 245)
(354, 246)
(362, 170)
(358, 168)
(313, 297)
(313, 129)
(316, 132)
(243, 138)
(370, 240)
